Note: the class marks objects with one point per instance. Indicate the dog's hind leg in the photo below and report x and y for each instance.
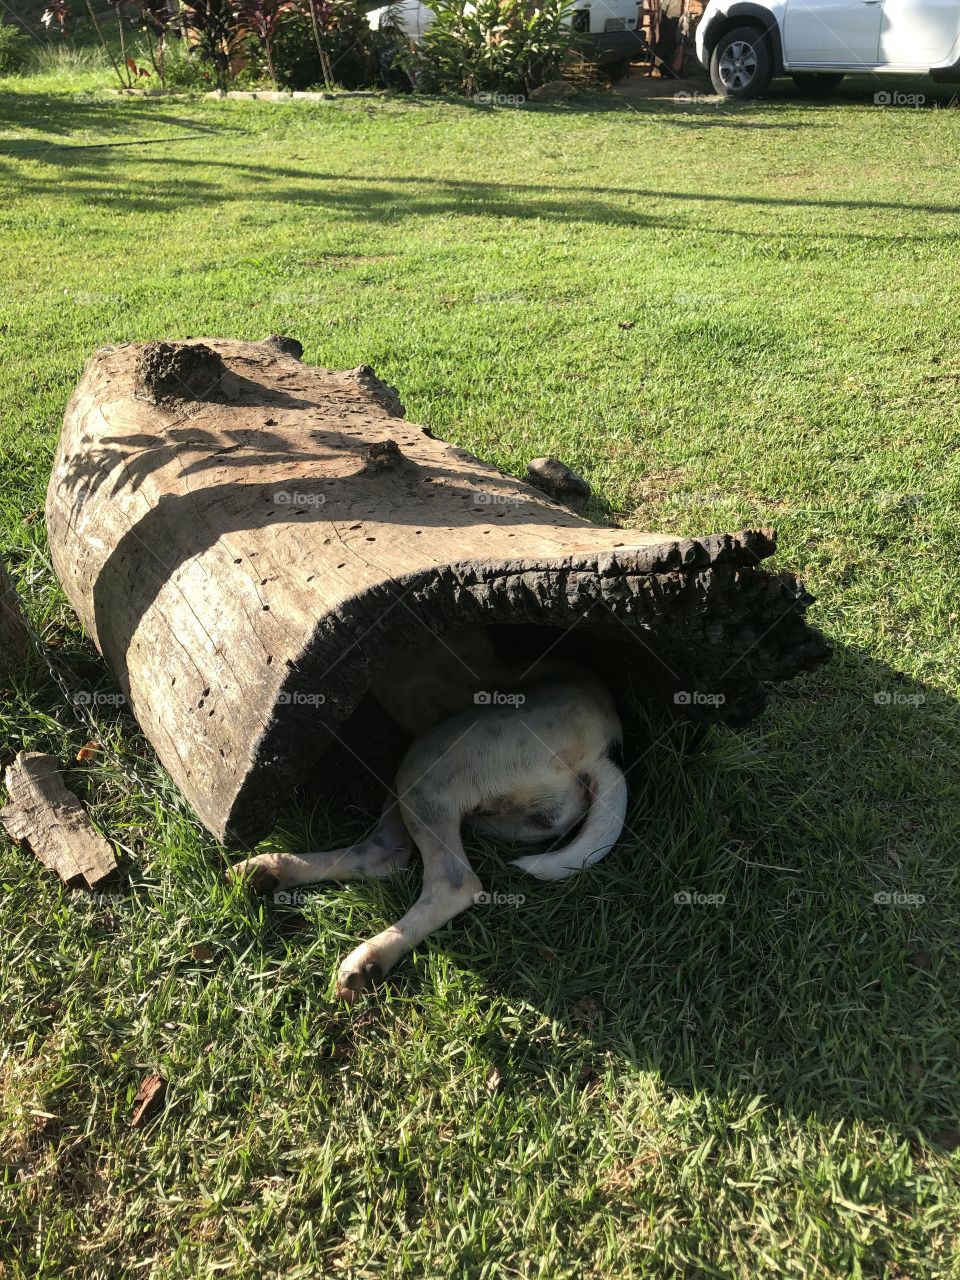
(449, 887)
(383, 851)
(599, 833)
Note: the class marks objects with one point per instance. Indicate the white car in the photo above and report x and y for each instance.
(610, 30)
(743, 43)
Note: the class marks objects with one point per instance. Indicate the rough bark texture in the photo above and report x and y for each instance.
(247, 559)
(48, 817)
(14, 633)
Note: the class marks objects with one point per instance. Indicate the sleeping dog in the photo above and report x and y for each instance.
(519, 752)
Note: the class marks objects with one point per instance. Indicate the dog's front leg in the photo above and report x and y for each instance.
(386, 849)
(449, 887)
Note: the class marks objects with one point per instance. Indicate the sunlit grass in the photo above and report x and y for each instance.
(724, 317)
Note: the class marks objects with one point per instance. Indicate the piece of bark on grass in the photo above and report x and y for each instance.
(14, 632)
(149, 1099)
(42, 813)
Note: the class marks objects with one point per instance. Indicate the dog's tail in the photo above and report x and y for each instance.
(599, 833)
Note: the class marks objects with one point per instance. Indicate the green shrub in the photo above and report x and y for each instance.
(505, 46)
(350, 44)
(184, 69)
(14, 50)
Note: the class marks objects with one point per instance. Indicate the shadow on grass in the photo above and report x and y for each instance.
(100, 171)
(778, 919)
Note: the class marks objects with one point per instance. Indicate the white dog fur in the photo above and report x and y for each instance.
(535, 757)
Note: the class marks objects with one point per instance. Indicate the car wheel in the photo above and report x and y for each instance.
(741, 65)
(814, 82)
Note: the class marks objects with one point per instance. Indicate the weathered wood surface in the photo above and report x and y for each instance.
(44, 814)
(14, 632)
(247, 537)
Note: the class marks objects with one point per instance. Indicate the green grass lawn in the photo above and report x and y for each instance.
(724, 316)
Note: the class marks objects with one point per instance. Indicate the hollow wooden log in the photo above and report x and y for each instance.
(247, 538)
(14, 631)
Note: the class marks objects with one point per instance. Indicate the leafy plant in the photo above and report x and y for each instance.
(120, 68)
(262, 19)
(346, 45)
(321, 12)
(502, 45)
(185, 69)
(55, 15)
(13, 50)
(211, 29)
(155, 21)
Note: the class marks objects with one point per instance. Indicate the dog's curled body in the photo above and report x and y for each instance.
(527, 769)
(526, 773)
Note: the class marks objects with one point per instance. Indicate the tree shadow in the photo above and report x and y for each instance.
(104, 176)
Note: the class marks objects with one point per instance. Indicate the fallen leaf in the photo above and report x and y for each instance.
(88, 751)
(493, 1081)
(546, 954)
(200, 951)
(626, 324)
(149, 1099)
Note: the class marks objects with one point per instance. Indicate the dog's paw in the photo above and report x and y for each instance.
(357, 973)
(262, 874)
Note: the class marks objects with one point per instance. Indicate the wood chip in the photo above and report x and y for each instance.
(42, 813)
(148, 1101)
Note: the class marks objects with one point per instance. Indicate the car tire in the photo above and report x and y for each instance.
(813, 82)
(741, 64)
